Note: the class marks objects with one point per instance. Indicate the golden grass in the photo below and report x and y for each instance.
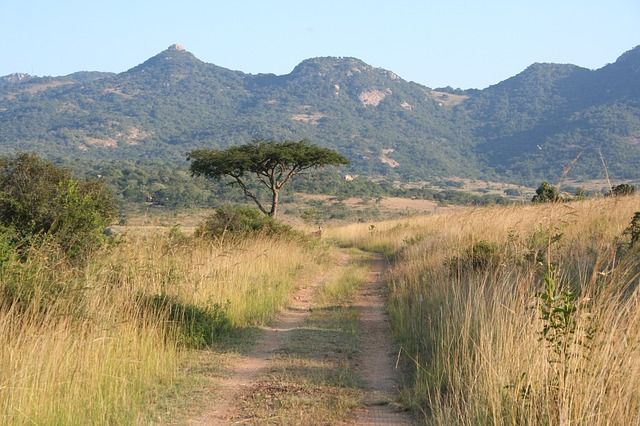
(474, 331)
(96, 351)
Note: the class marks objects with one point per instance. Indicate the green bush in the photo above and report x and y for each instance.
(622, 190)
(546, 193)
(7, 246)
(633, 230)
(39, 200)
(240, 221)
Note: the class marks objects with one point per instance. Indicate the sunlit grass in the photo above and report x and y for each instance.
(89, 347)
(474, 333)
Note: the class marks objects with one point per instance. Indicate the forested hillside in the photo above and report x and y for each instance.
(526, 128)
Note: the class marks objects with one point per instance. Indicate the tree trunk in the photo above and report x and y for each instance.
(274, 204)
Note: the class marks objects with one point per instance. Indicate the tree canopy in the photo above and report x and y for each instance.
(271, 163)
(40, 199)
(546, 193)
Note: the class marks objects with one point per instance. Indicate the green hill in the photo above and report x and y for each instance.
(525, 128)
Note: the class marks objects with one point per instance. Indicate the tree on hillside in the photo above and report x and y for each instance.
(546, 193)
(268, 163)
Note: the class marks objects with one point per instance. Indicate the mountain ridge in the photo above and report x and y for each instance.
(523, 128)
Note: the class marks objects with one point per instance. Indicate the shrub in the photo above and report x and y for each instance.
(622, 190)
(633, 230)
(240, 221)
(7, 246)
(41, 200)
(546, 193)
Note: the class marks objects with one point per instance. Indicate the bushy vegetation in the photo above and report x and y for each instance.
(241, 221)
(95, 343)
(40, 201)
(538, 322)
(623, 189)
(546, 193)
(524, 129)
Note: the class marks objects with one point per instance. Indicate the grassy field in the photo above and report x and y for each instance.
(94, 345)
(516, 315)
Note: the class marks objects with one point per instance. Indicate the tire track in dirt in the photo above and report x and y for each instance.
(245, 370)
(378, 359)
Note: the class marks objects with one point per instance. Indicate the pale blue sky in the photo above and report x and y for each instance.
(435, 43)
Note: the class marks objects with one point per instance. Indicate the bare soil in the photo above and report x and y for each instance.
(302, 365)
(378, 355)
(246, 369)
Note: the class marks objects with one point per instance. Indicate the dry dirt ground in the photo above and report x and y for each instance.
(378, 360)
(316, 364)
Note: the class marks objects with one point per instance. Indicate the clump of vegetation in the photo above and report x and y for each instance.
(39, 200)
(546, 193)
(240, 221)
(269, 164)
(485, 351)
(623, 190)
(633, 230)
(478, 256)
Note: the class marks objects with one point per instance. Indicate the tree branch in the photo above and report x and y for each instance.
(249, 193)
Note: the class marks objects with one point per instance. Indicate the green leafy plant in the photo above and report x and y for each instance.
(240, 220)
(622, 190)
(546, 193)
(633, 230)
(39, 200)
(558, 313)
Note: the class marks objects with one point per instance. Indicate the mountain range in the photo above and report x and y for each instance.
(548, 120)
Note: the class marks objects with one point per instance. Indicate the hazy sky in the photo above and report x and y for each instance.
(436, 43)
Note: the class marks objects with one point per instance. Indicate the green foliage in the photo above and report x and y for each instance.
(546, 193)
(633, 230)
(195, 327)
(558, 309)
(7, 246)
(622, 190)
(240, 221)
(525, 128)
(40, 200)
(270, 163)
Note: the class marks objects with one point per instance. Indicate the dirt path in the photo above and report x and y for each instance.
(315, 358)
(378, 359)
(246, 369)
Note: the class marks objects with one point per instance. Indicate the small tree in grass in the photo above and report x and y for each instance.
(546, 193)
(269, 163)
(622, 190)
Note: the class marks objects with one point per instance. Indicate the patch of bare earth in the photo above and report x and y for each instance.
(385, 159)
(225, 403)
(448, 100)
(308, 117)
(378, 359)
(373, 97)
(101, 142)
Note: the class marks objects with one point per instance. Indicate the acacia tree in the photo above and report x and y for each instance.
(270, 163)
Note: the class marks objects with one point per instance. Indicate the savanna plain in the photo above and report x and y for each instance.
(518, 314)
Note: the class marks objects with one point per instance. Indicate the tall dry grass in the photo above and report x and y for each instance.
(467, 308)
(92, 345)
